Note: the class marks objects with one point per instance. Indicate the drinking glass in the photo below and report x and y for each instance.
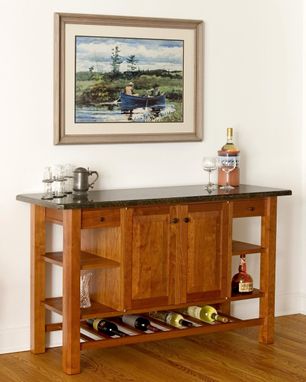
(84, 289)
(227, 163)
(47, 176)
(58, 186)
(47, 181)
(209, 165)
(68, 176)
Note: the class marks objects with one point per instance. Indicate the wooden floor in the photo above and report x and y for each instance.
(229, 356)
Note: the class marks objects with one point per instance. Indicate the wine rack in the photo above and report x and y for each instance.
(148, 255)
(167, 332)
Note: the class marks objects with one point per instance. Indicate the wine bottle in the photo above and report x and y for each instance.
(231, 150)
(205, 313)
(105, 326)
(242, 282)
(138, 322)
(172, 318)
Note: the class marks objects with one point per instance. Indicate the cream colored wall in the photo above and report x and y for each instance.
(253, 82)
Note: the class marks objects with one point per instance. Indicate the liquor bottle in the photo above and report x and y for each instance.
(138, 322)
(205, 313)
(172, 318)
(231, 150)
(106, 327)
(242, 282)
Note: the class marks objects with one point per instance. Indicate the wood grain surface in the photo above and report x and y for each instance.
(224, 357)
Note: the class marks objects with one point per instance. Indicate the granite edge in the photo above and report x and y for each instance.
(155, 201)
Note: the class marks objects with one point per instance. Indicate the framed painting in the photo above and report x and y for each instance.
(127, 79)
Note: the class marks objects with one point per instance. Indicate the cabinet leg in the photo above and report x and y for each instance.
(267, 271)
(71, 291)
(38, 249)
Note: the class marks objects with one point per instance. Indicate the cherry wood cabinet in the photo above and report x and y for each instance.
(148, 249)
(177, 254)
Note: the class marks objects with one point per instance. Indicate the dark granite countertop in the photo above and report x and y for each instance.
(149, 196)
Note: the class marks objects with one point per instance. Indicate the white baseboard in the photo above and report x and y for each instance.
(14, 340)
(287, 303)
(303, 303)
(18, 339)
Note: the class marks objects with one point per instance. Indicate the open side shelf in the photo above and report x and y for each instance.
(55, 304)
(242, 248)
(88, 260)
(255, 294)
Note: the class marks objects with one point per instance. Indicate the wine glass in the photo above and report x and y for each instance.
(209, 165)
(227, 163)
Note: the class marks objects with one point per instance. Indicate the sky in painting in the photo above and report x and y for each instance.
(149, 53)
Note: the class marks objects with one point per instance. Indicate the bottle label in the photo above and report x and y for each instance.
(232, 160)
(168, 318)
(194, 311)
(129, 319)
(96, 323)
(245, 287)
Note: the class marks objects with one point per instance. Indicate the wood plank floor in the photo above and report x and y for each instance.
(229, 356)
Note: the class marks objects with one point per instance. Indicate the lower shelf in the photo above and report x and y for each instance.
(140, 337)
(173, 333)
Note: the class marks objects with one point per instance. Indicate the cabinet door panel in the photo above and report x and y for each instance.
(151, 257)
(206, 266)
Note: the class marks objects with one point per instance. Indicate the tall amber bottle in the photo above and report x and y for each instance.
(232, 150)
(242, 282)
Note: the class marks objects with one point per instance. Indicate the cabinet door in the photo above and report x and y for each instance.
(151, 257)
(205, 241)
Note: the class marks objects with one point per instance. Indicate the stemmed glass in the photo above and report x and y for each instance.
(209, 165)
(227, 163)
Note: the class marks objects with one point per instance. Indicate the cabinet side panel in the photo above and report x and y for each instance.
(106, 283)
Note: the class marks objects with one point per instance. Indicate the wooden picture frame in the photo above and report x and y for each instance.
(127, 79)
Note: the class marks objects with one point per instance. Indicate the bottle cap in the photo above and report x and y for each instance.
(229, 132)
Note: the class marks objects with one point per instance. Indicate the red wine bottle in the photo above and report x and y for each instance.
(105, 327)
(138, 322)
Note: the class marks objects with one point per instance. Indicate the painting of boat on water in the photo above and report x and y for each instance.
(128, 80)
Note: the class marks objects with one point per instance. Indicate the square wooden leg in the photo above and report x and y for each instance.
(71, 291)
(267, 271)
(38, 249)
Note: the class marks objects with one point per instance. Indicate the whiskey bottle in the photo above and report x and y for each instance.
(229, 150)
(242, 282)
(205, 313)
(105, 326)
(172, 318)
(138, 322)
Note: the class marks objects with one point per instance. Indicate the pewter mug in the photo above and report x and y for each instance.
(80, 180)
